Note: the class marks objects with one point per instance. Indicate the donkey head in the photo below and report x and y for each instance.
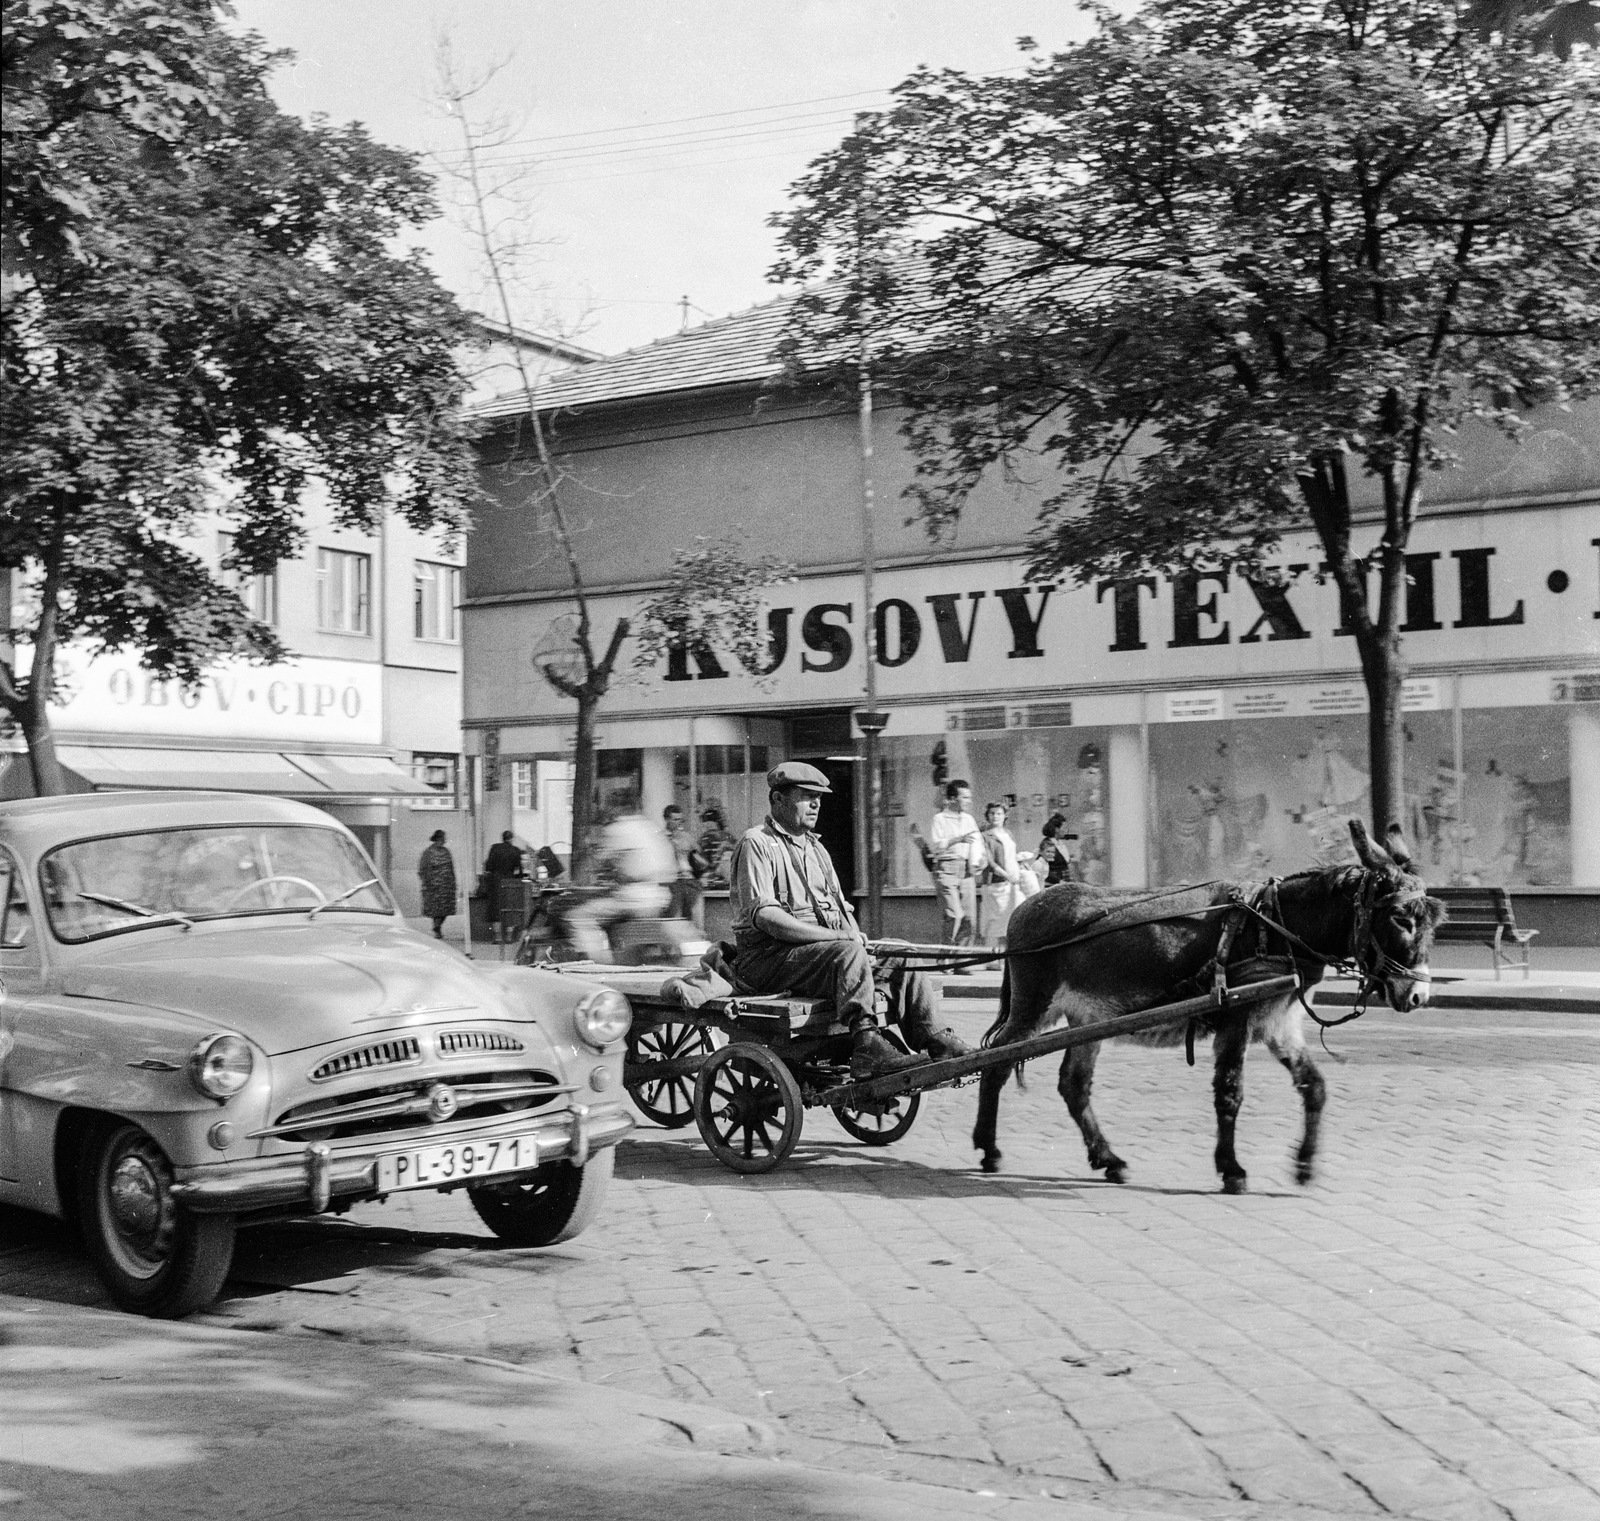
(1403, 918)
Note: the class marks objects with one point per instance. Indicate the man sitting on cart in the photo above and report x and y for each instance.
(796, 932)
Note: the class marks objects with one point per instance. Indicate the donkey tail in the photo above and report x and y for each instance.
(1000, 1019)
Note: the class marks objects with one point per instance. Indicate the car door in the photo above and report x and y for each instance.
(20, 983)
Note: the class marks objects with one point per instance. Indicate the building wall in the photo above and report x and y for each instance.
(1187, 728)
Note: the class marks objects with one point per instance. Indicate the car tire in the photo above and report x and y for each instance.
(154, 1256)
(551, 1204)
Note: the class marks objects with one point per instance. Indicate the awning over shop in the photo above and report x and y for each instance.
(317, 778)
(363, 775)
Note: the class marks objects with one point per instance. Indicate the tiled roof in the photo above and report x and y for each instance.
(729, 351)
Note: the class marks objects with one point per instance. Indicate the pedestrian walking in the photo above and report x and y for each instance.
(958, 858)
(436, 868)
(1007, 881)
(503, 869)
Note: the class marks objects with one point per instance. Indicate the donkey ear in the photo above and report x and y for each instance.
(1369, 854)
(1394, 842)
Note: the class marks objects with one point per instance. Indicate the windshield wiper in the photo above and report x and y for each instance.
(349, 892)
(165, 916)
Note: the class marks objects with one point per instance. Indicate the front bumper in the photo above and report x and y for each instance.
(321, 1172)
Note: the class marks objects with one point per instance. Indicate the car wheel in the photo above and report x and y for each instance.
(553, 1203)
(154, 1256)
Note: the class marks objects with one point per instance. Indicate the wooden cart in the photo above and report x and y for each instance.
(745, 1069)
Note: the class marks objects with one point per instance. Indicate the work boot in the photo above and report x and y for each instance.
(943, 1044)
(873, 1056)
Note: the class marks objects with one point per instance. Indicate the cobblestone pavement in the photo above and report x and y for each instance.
(1415, 1335)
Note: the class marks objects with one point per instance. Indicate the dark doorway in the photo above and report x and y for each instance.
(837, 826)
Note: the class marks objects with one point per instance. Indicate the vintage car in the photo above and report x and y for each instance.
(214, 1014)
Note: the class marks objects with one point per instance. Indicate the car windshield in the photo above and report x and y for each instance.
(179, 876)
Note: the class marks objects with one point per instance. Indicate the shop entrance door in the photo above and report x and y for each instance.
(837, 826)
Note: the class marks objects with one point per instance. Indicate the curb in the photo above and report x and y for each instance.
(1494, 1003)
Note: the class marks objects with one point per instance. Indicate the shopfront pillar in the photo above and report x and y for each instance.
(1128, 806)
(655, 782)
(1583, 738)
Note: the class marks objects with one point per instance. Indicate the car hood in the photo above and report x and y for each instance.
(288, 987)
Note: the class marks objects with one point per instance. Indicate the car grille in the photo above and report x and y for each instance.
(403, 1106)
(469, 1042)
(385, 1053)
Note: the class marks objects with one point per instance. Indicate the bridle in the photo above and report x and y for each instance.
(1363, 958)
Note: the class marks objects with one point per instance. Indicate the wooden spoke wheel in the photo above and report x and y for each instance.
(748, 1107)
(880, 1127)
(669, 1101)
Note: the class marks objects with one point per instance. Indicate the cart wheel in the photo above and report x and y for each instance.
(747, 1105)
(875, 1129)
(669, 1101)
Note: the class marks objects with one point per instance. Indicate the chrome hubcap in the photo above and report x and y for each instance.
(136, 1197)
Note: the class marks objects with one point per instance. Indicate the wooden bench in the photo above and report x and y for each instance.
(1483, 916)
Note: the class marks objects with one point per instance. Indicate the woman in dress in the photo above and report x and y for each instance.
(1007, 879)
(437, 872)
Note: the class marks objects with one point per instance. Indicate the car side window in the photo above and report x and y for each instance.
(18, 916)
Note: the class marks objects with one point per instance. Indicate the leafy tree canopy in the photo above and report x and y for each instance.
(206, 308)
(1198, 270)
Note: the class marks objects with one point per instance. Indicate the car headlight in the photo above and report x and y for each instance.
(602, 1017)
(221, 1065)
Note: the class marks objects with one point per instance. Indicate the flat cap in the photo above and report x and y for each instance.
(797, 774)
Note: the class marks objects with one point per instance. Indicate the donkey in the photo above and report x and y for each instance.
(1154, 948)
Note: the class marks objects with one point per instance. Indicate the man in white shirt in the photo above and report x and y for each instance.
(638, 859)
(958, 856)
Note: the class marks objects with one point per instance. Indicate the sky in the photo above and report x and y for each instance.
(652, 140)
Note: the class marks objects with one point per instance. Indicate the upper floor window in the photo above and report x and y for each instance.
(437, 590)
(258, 592)
(524, 789)
(438, 772)
(344, 592)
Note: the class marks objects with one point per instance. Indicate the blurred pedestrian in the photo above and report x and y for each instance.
(436, 869)
(686, 890)
(716, 845)
(502, 869)
(1053, 854)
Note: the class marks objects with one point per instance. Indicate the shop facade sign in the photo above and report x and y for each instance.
(1482, 588)
(322, 701)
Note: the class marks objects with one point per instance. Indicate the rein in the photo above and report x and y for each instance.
(1363, 947)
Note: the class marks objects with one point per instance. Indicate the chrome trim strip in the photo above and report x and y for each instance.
(402, 1104)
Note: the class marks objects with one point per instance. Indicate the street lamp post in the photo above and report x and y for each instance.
(870, 721)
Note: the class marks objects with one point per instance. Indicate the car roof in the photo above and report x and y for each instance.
(37, 823)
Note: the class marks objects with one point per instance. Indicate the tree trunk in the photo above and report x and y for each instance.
(583, 785)
(49, 780)
(1383, 670)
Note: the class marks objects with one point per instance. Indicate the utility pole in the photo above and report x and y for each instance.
(871, 721)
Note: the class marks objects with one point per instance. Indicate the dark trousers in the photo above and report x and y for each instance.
(841, 972)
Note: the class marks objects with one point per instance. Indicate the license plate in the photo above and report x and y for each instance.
(432, 1166)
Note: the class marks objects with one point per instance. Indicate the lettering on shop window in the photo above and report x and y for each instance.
(1188, 609)
(832, 639)
(1474, 573)
(907, 632)
(957, 646)
(706, 663)
(1276, 612)
(1024, 625)
(1125, 610)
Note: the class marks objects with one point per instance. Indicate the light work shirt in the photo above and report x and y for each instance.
(958, 859)
(773, 868)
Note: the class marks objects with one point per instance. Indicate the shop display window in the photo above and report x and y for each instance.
(735, 799)
(1256, 797)
(1516, 795)
(1034, 772)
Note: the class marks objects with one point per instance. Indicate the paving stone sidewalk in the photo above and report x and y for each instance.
(1413, 1336)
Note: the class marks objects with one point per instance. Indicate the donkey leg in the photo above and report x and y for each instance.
(1227, 1086)
(1285, 1042)
(990, 1081)
(1075, 1084)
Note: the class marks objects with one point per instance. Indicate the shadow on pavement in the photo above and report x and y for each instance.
(111, 1415)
